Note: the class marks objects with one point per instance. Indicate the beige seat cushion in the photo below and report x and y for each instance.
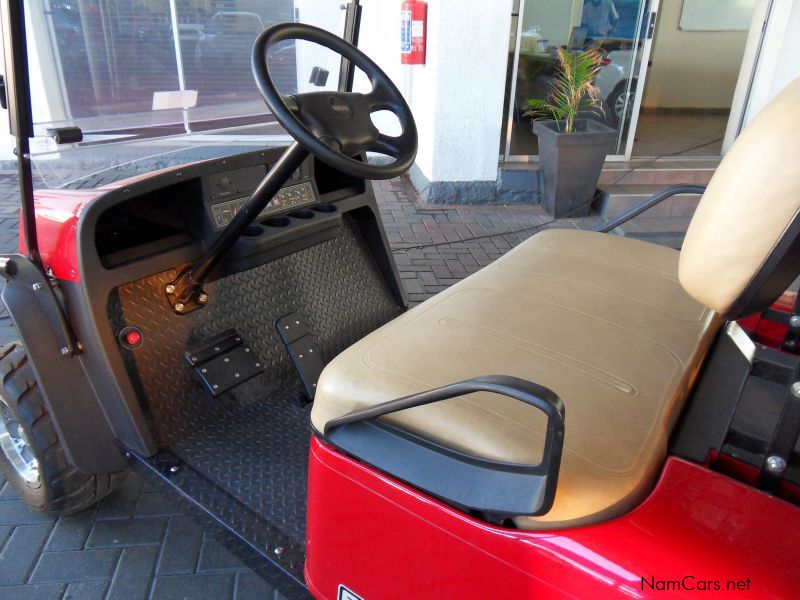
(599, 319)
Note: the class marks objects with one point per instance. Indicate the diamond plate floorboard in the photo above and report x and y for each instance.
(253, 440)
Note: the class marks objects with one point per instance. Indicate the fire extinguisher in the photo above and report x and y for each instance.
(413, 29)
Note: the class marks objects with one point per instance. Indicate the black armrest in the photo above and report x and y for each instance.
(470, 483)
(649, 203)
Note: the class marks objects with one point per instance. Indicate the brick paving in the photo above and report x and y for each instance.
(134, 544)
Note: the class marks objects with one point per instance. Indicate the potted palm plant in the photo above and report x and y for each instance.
(572, 148)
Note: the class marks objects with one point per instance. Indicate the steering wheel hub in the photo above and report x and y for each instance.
(337, 126)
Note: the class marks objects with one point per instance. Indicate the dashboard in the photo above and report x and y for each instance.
(188, 208)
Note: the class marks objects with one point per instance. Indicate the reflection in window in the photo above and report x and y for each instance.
(112, 56)
(609, 25)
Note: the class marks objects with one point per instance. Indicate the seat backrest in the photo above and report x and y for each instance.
(742, 249)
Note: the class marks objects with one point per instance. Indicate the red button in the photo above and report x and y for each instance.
(133, 338)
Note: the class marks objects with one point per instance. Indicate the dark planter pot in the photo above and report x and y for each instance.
(571, 164)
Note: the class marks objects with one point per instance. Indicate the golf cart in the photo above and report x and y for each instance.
(588, 415)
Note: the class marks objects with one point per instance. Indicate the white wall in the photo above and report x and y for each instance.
(777, 66)
(779, 63)
(457, 96)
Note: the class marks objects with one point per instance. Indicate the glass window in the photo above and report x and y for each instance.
(129, 57)
(611, 26)
(178, 70)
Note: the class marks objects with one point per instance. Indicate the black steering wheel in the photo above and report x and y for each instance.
(335, 126)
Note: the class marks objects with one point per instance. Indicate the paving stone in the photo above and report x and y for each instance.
(5, 533)
(134, 574)
(193, 587)
(70, 532)
(21, 552)
(6, 491)
(215, 557)
(75, 565)
(43, 591)
(16, 512)
(127, 532)
(154, 504)
(250, 586)
(181, 548)
(86, 590)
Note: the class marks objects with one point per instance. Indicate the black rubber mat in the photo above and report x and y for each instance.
(253, 440)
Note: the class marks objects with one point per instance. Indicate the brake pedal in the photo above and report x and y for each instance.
(223, 362)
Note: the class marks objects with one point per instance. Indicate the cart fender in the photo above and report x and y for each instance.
(88, 440)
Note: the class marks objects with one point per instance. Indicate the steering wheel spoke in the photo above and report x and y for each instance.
(291, 103)
(380, 98)
(388, 145)
(335, 126)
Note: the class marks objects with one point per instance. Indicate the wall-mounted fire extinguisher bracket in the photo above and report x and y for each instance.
(413, 31)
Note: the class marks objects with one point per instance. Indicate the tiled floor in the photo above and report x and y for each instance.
(679, 135)
(134, 544)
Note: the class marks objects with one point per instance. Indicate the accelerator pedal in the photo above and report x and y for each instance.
(303, 349)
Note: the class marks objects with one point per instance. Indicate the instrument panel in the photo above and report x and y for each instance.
(293, 196)
(227, 192)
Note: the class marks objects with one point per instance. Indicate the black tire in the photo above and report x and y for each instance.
(614, 103)
(54, 486)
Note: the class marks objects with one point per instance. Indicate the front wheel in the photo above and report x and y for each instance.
(31, 455)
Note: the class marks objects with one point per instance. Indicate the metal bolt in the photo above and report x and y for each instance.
(215, 386)
(178, 174)
(170, 289)
(278, 551)
(775, 464)
(796, 389)
(203, 370)
(65, 351)
(73, 272)
(297, 322)
(179, 307)
(174, 469)
(226, 359)
(235, 374)
(301, 356)
(202, 298)
(216, 348)
(20, 431)
(258, 364)
(36, 286)
(310, 350)
(795, 321)
(247, 349)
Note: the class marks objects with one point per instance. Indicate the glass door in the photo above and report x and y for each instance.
(622, 32)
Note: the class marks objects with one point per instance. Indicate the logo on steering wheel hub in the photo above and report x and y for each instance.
(340, 107)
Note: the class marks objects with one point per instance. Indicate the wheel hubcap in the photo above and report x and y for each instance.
(623, 105)
(14, 444)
